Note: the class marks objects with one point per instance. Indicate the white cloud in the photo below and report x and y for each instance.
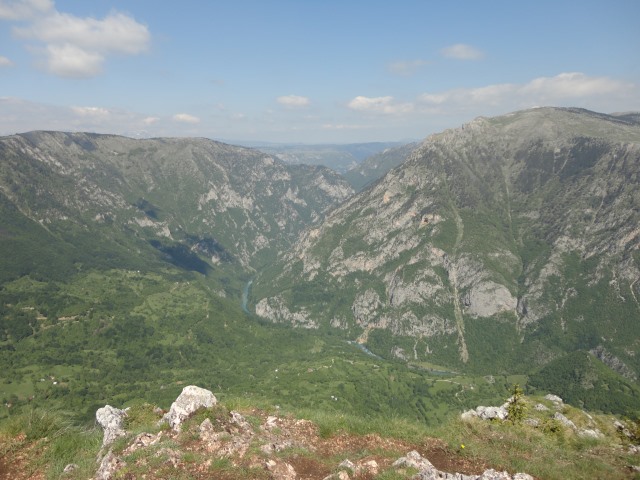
(24, 9)
(117, 33)
(406, 68)
(69, 60)
(186, 118)
(150, 120)
(386, 105)
(572, 85)
(19, 115)
(603, 94)
(293, 101)
(92, 112)
(461, 51)
(71, 46)
(5, 62)
(565, 88)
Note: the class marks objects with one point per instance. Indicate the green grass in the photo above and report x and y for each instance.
(521, 448)
(500, 445)
(59, 441)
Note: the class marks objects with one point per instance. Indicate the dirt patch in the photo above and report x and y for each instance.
(441, 456)
(16, 459)
(308, 468)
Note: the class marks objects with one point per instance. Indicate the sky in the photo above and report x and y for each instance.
(308, 71)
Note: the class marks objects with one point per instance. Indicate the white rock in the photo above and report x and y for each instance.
(348, 464)
(487, 413)
(413, 460)
(111, 419)
(564, 420)
(554, 398)
(191, 399)
(491, 413)
(109, 466)
(371, 467)
(588, 433)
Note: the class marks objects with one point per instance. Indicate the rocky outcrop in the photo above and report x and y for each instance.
(276, 310)
(111, 420)
(543, 414)
(232, 437)
(487, 413)
(613, 362)
(564, 421)
(109, 466)
(257, 444)
(426, 471)
(557, 401)
(488, 298)
(190, 400)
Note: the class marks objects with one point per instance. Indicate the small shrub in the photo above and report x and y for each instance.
(552, 426)
(517, 407)
(635, 431)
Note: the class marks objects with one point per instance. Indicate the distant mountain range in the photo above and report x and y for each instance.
(378, 164)
(340, 158)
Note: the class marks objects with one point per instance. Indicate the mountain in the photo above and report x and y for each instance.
(337, 157)
(377, 165)
(498, 246)
(489, 257)
(190, 199)
(124, 261)
(125, 265)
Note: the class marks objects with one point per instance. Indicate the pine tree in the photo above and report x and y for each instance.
(516, 408)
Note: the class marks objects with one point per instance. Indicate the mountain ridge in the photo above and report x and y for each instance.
(112, 175)
(479, 222)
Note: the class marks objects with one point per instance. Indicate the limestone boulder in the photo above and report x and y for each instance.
(111, 420)
(191, 399)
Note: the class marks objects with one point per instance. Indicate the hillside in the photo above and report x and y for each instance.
(222, 201)
(199, 437)
(498, 246)
(124, 262)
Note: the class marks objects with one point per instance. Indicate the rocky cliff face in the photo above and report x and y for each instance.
(516, 235)
(215, 200)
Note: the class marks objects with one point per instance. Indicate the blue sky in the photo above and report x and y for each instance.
(314, 71)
